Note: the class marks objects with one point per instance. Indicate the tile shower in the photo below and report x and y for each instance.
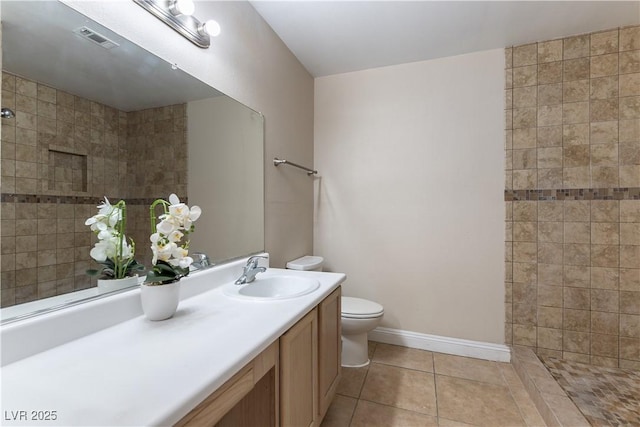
(572, 192)
(61, 155)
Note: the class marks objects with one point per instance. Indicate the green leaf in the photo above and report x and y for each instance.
(152, 276)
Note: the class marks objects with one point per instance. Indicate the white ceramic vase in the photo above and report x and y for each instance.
(159, 302)
(110, 285)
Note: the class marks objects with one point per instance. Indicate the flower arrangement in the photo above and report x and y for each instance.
(169, 240)
(112, 249)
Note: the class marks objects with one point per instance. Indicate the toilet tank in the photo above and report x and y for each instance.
(306, 263)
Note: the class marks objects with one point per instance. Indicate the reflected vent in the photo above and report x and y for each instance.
(95, 37)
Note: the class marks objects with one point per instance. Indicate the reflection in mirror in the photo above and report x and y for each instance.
(95, 116)
(226, 178)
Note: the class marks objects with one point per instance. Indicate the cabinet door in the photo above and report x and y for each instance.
(329, 344)
(298, 373)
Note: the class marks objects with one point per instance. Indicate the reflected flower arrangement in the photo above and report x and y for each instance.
(112, 250)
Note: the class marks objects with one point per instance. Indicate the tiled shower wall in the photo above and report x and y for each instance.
(61, 155)
(157, 166)
(573, 197)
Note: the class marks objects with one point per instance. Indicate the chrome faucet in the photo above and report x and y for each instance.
(200, 261)
(250, 270)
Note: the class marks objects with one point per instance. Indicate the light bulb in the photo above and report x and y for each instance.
(183, 7)
(210, 27)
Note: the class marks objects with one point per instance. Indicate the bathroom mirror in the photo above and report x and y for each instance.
(97, 115)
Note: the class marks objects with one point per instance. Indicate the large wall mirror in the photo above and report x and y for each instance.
(96, 115)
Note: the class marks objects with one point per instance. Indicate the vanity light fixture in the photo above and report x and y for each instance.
(178, 14)
(182, 7)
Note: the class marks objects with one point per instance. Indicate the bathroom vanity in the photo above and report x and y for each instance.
(291, 383)
(218, 360)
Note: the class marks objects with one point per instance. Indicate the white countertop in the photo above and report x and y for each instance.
(140, 372)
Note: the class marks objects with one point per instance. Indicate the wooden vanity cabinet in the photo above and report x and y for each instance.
(329, 346)
(299, 373)
(310, 364)
(291, 383)
(249, 398)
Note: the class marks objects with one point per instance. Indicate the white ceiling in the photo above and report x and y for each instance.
(332, 37)
(126, 77)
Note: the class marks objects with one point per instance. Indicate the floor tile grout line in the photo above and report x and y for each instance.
(353, 413)
(397, 407)
(399, 366)
(435, 390)
(504, 385)
(364, 380)
(435, 387)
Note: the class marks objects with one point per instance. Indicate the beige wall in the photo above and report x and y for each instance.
(409, 203)
(573, 189)
(249, 63)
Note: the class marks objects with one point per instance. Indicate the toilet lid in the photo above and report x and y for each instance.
(358, 307)
(306, 263)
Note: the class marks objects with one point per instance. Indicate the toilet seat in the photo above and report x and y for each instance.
(358, 308)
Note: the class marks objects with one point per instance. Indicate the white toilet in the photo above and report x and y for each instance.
(359, 316)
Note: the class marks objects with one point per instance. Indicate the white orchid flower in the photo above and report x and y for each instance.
(98, 253)
(111, 245)
(93, 222)
(114, 217)
(185, 262)
(165, 227)
(177, 255)
(194, 213)
(109, 213)
(105, 207)
(127, 250)
(179, 210)
(106, 234)
(154, 251)
(163, 252)
(175, 236)
(104, 249)
(173, 199)
(179, 252)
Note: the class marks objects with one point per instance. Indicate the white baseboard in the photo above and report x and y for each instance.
(456, 346)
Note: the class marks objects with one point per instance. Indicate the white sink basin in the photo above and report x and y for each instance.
(273, 288)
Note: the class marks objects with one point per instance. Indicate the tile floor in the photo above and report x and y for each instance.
(409, 387)
(553, 404)
(606, 396)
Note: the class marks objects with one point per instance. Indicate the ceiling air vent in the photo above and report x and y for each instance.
(95, 37)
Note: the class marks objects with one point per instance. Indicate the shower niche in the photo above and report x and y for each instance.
(67, 170)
